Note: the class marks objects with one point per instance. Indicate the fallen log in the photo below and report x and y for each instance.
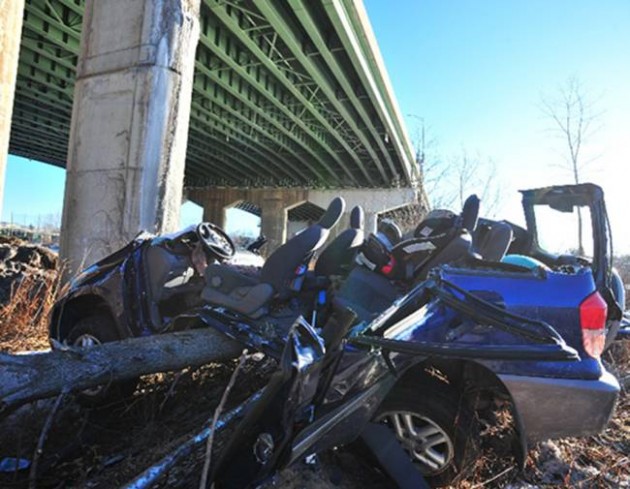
(26, 378)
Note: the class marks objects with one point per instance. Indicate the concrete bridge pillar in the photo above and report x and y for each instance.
(129, 124)
(274, 204)
(214, 211)
(273, 220)
(11, 13)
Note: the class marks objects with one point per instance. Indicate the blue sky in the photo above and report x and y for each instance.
(32, 189)
(475, 72)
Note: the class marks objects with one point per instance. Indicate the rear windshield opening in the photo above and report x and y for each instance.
(558, 232)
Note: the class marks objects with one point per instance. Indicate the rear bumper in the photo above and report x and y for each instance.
(556, 408)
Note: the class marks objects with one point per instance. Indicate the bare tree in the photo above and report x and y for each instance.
(448, 181)
(452, 180)
(574, 119)
(432, 168)
(476, 174)
(436, 173)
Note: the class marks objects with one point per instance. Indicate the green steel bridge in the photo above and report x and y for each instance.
(286, 93)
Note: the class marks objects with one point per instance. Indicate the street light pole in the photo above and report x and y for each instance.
(420, 151)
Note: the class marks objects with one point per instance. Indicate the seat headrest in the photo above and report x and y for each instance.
(470, 213)
(388, 229)
(333, 213)
(357, 217)
(438, 221)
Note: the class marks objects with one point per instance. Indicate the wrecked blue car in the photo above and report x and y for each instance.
(410, 342)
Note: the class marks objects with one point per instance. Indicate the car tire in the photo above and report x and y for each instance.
(436, 427)
(91, 331)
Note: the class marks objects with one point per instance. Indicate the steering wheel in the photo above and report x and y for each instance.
(215, 240)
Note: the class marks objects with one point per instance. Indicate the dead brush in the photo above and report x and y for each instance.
(24, 319)
(617, 360)
(601, 461)
(495, 466)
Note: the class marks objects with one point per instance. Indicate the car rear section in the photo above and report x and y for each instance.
(552, 399)
(522, 333)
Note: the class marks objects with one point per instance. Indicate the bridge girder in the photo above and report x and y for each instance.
(281, 96)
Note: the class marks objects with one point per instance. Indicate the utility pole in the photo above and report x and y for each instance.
(420, 151)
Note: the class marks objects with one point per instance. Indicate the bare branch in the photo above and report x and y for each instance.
(572, 117)
(448, 181)
(217, 412)
(32, 477)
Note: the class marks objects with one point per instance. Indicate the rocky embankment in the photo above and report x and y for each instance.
(20, 261)
(28, 287)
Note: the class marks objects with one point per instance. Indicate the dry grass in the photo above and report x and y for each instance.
(24, 319)
(601, 461)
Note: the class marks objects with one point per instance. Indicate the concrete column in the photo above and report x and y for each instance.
(214, 212)
(273, 220)
(129, 124)
(215, 202)
(275, 202)
(11, 12)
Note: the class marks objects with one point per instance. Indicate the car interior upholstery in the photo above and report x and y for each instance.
(251, 295)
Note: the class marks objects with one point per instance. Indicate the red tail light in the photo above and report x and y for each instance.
(593, 312)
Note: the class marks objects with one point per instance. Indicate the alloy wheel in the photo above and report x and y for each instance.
(427, 443)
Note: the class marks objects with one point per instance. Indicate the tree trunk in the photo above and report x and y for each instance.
(25, 378)
(580, 233)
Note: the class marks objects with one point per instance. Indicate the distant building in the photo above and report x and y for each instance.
(45, 236)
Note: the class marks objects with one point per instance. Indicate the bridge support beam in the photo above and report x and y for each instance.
(275, 203)
(11, 14)
(214, 211)
(129, 124)
(273, 219)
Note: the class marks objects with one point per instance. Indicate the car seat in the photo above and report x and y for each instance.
(376, 252)
(281, 275)
(442, 237)
(492, 239)
(167, 267)
(337, 257)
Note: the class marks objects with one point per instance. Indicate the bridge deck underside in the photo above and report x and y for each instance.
(281, 96)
